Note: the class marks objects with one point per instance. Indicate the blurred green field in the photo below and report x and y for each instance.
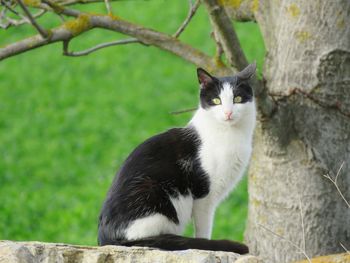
(66, 124)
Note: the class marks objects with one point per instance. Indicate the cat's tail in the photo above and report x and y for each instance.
(174, 242)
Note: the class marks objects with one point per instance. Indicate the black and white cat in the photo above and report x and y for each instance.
(184, 173)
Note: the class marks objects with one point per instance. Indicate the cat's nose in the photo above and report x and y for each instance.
(228, 114)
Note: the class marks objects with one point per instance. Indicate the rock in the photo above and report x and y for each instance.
(335, 258)
(35, 252)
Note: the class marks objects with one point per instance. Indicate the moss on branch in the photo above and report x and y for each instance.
(78, 25)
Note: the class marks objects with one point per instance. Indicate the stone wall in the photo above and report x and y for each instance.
(35, 252)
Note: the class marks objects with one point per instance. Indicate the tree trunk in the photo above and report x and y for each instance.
(307, 71)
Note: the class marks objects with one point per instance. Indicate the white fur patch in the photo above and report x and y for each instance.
(225, 148)
(226, 97)
(158, 224)
(224, 154)
(152, 225)
(183, 206)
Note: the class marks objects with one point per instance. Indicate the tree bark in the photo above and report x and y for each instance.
(307, 71)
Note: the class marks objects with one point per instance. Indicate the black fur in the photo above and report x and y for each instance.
(148, 177)
(174, 242)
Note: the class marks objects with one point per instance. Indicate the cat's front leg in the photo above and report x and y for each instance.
(203, 215)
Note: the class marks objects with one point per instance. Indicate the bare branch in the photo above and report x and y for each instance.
(41, 30)
(30, 43)
(302, 223)
(8, 7)
(300, 249)
(5, 26)
(85, 22)
(11, 21)
(244, 12)
(58, 9)
(183, 111)
(288, 241)
(219, 49)
(158, 39)
(340, 168)
(226, 35)
(73, 2)
(347, 251)
(83, 2)
(108, 7)
(24, 20)
(2, 18)
(97, 47)
(192, 11)
(334, 181)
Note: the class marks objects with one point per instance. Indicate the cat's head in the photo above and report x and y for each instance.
(227, 99)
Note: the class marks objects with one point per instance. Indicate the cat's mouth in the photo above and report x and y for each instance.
(231, 121)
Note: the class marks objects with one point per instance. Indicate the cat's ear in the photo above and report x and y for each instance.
(204, 78)
(247, 72)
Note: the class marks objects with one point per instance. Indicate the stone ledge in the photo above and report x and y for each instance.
(335, 258)
(35, 252)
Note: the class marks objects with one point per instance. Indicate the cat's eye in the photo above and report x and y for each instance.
(216, 101)
(237, 99)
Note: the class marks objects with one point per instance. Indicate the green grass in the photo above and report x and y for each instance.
(66, 124)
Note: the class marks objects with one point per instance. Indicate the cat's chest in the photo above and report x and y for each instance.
(224, 159)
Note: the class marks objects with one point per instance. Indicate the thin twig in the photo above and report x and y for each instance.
(334, 181)
(97, 47)
(341, 167)
(222, 25)
(2, 18)
(182, 111)
(83, 2)
(14, 22)
(12, 10)
(108, 7)
(9, 7)
(62, 18)
(145, 35)
(5, 26)
(192, 11)
(302, 223)
(41, 30)
(3, 11)
(290, 242)
(219, 49)
(347, 251)
(58, 9)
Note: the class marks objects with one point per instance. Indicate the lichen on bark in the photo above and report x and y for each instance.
(78, 25)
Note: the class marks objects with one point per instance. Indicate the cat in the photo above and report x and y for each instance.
(184, 173)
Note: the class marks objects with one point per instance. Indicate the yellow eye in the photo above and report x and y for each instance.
(237, 99)
(216, 101)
